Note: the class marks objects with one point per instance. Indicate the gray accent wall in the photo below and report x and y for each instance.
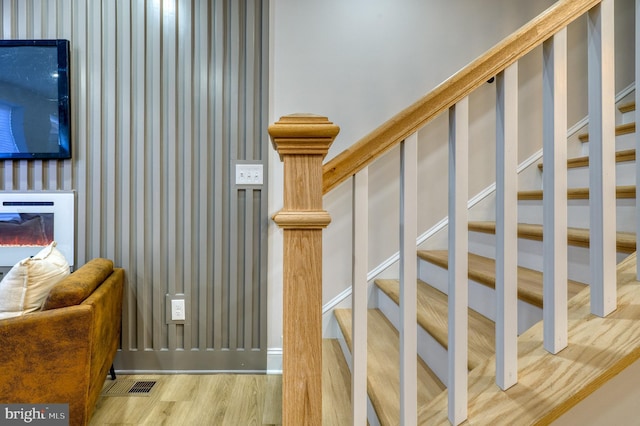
(167, 96)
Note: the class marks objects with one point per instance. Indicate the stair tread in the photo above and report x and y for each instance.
(433, 318)
(598, 349)
(627, 107)
(621, 129)
(482, 270)
(383, 363)
(336, 384)
(621, 156)
(622, 191)
(578, 237)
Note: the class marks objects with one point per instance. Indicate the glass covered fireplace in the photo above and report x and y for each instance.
(30, 221)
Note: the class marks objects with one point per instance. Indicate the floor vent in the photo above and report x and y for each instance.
(129, 388)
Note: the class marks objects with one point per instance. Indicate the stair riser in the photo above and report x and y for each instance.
(429, 350)
(578, 177)
(578, 213)
(622, 142)
(530, 255)
(628, 117)
(482, 299)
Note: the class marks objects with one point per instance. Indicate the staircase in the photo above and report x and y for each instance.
(383, 381)
(435, 321)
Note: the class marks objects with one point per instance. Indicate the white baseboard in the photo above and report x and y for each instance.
(274, 361)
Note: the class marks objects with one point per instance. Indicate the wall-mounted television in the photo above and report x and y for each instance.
(35, 110)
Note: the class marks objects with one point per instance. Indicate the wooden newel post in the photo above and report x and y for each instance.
(302, 140)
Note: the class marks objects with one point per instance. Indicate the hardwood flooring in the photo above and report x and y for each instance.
(224, 399)
(181, 399)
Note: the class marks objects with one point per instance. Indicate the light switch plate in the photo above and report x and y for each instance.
(249, 174)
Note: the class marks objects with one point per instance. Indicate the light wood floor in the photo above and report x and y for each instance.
(224, 399)
(218, 399)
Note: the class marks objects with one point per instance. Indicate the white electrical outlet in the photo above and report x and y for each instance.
(177, 310)
(249, 174)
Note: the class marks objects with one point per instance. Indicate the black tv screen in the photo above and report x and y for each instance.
(34, 99)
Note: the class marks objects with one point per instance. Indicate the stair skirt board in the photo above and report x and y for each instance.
(482, 299)
(530, 255)
(372, 416)
(530, 211)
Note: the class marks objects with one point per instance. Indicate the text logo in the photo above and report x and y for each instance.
(34, 414)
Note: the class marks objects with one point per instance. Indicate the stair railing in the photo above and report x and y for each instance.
(301, 388)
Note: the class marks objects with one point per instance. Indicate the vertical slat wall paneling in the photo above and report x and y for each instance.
(233, 61)
(95, 144)
(158, 171)
(360, 256)
(79, 120)
(602, 190)
(139, 273)
(216, 229)
(263, 105)
(166, 96)
(507, 227)
(204, 307)
(126, 179)
(554, 184)
(184, 143)
(637, 120)
(458, 260)
(245, 228)
(109, 155)
(408, 280)
(172, 174)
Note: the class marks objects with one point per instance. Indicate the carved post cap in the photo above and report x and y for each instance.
(303, 134)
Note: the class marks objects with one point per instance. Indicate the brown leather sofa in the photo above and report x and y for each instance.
(62, 354)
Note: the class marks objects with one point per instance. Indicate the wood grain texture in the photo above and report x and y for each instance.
(433, 312)
(483, 271)
(336, 385)
(627, 107)
(548, 385)
(183, 399)
(621, 156)
(622, 192)
(302, 140)
(447, 94)
(625, 241)
(383, 364)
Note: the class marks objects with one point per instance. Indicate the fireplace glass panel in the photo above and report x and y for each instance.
(26, 229)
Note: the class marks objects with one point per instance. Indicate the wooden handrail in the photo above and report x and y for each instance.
(447, 94)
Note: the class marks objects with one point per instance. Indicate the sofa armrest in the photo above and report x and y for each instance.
(44, 357)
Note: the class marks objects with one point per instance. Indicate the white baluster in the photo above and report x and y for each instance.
(507, 227)
(554, 183)
(359, 296)
(602, 186)
(408, 280)
(458, 259)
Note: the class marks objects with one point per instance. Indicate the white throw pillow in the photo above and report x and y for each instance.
(28, 283)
